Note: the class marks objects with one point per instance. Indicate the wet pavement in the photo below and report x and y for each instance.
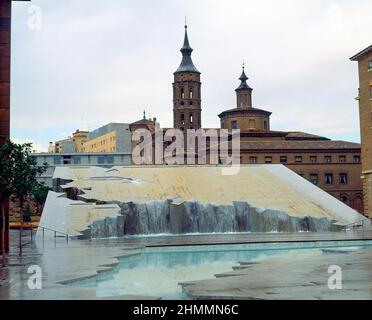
(62, 261)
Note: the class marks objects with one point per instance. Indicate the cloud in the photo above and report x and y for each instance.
(104, 62)
(36, 147)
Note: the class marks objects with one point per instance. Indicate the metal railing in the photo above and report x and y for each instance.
(56, 233)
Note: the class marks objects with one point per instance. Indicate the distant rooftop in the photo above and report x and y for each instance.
(361, 53)
(299, 145)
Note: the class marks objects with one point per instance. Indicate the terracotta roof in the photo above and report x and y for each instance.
(299, 145)
(303, 135)
(142, 121)
(245, 110)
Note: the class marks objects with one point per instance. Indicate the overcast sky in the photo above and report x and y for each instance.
(93, 62)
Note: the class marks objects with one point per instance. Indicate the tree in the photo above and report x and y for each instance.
(40, 194)
(18, 178)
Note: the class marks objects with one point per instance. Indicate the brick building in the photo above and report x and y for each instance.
(364, 59)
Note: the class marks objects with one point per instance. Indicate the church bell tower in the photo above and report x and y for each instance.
(186, 91)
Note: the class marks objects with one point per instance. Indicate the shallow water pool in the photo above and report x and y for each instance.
(158, 271)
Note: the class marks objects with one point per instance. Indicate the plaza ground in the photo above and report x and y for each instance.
(63, 261)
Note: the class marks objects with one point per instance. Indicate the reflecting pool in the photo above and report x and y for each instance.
(158, 271)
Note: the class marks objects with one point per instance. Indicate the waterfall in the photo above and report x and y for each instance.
(165, 217)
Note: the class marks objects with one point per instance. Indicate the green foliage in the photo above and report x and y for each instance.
(40, 193)
(19, 171)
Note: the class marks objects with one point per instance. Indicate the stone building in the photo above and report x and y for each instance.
(364, 59)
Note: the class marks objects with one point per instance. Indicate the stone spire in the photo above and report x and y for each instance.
(186, 64)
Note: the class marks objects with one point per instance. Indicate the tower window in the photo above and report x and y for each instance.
(182, 118)
(265, 125)
(190, 118)
(182, 93)
(191, 95)
(253, 160)
(234, 124)
(370, 64)
(252, 124)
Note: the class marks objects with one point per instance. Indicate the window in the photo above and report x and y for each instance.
(313, 159)
(234, 124)
(328, 159)
(190, 118)
(191, 93)
(77, 160)
(356, 158)
(182, 93)
(252, 124)
(265, 125)
(67, 160)
(283, 159)
(253, 160)
(328, 178)
(314, 178)
(298, 159)
(370, 64)
(101, 159)
(110, 159)
(268, 159)
(342, 159)
(343, 178)
(182, 118)
(57, 160)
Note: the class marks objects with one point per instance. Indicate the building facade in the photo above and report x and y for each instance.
(364, 59)
(74, 159)
(113, 137)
